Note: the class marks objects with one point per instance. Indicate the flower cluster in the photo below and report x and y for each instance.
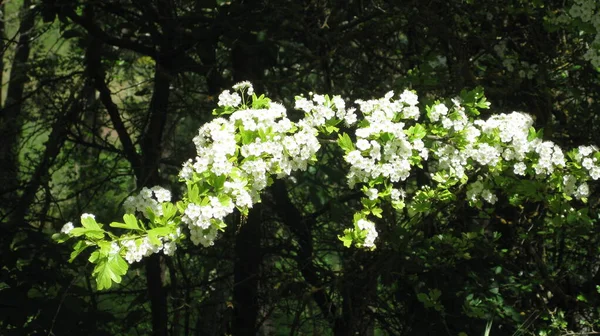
(321, 109)
(478, 189)
(514, 146)
(136, 249)
(237, 157)
(501, 139)
(148, 199)
(588, 161)
(586, 12)
(382, 147)
(371, 233)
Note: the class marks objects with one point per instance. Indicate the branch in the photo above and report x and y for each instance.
(301, 227)
(100, 34)
(95, 72)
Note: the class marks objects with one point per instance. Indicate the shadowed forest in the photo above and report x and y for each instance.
(101, 98)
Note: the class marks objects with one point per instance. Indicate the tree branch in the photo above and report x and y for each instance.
(100, 34)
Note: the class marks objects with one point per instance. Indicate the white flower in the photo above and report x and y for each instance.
(243, 86)
(87, 215)
(437, 111)
(519, 168)
(227, 98)
(363, 144)
(587, 163)
(339, 103)
(409, 98)
(582, 191)
(169, 248)
(397, 194)
(372, 193)
(161, 194)
(473, 190)
(595, 172)
(372, 234)
(350, 117)
(487, 195)
(67, 228)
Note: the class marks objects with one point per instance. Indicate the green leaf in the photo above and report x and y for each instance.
(108, 270)
(130, 223)
(260, 102)
(386, 136)
(193, 193)
(60, 237)
(435, 294)
(534, 135)
(416, 132)
(153, 237)
(423, 298)
(169, 210)
(157, 232)
(94, 234)
(398, 205)
(377, 212)
(223, 110)
(89, 222)
(331, 129)
(77, 249)
(161, 231)
(224, 199)
(150, 214)
(76, 232)
(219, 181)
(345, 143)
(347, 238)
(248, 137)
(181, 206)
(94, 257)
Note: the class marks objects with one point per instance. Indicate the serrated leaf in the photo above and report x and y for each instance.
(416, 132)
(76, 232)
(169, 210)
(131, 223)
(331, 129)
(377, 212)
(108, 270)
(90, 223)
(398, 205)
(248, 137)
(345, 143)
(161, 231)
(423, 298)
(153, 237)
(77, 249)
(94, 257)
(219, 181)
(94, 234)
(223, 110)
(346, 238)
(181, 206)
(193, 193)
(435, 294)
(60, 237)
(224, 199)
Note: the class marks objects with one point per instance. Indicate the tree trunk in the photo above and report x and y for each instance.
(248, 257)
(2, 45)
(149, 176)
(10, 116)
